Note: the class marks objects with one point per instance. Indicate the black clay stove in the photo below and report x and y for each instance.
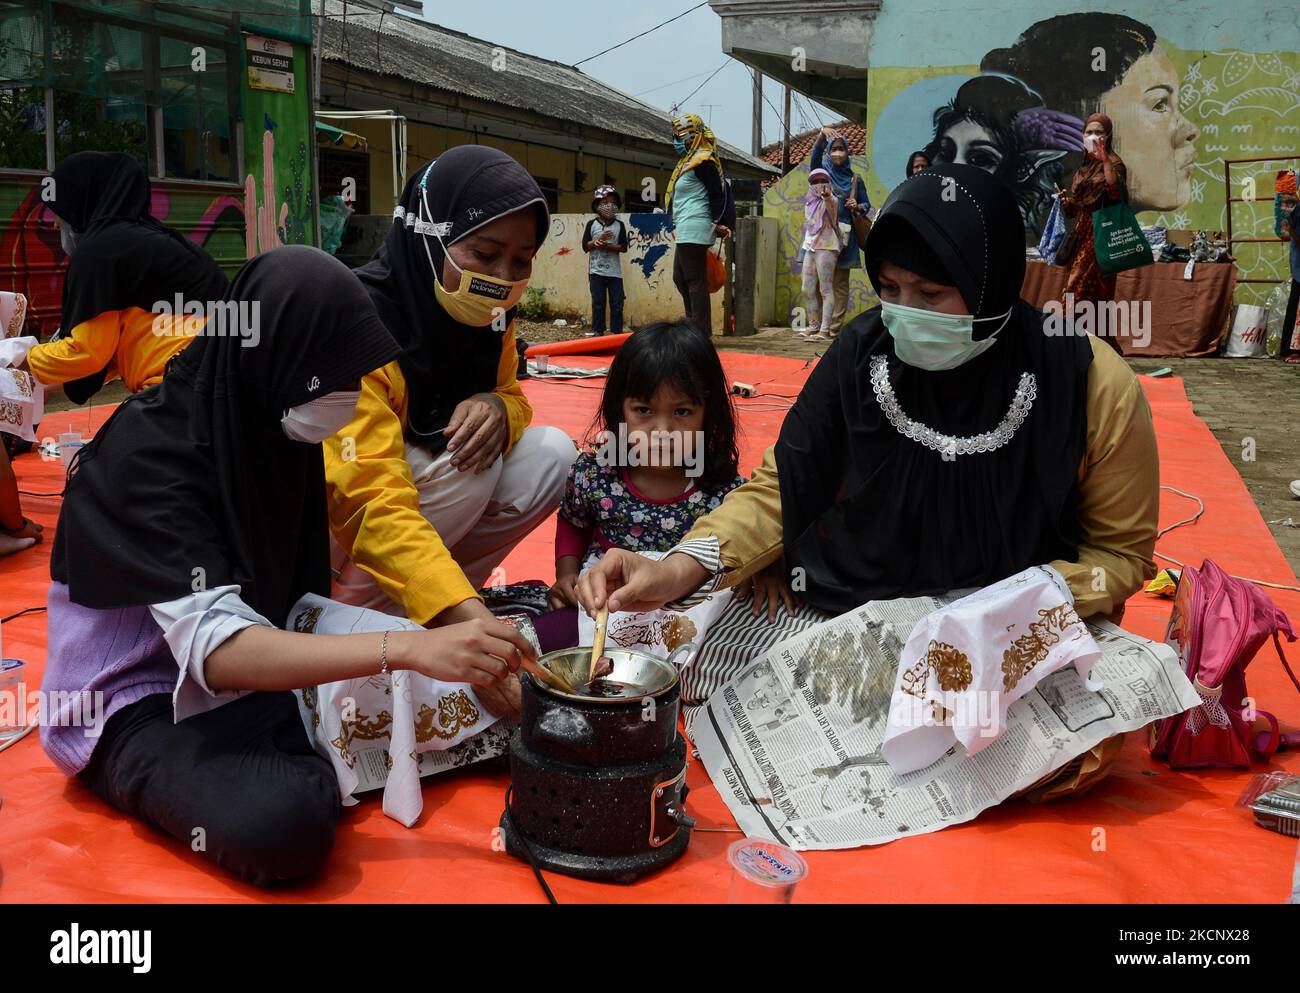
(598, 783)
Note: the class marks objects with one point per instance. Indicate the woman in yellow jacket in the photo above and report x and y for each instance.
(126, 274)
(439, 475)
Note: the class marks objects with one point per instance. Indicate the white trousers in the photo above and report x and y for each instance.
(480, 518)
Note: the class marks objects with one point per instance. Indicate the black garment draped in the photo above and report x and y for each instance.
(870, 514)
(192, 484)
(442, 360)
(123, 257)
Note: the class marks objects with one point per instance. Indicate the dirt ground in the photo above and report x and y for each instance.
(1251, 405)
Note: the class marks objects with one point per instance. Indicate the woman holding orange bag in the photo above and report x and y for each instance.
(701, 211)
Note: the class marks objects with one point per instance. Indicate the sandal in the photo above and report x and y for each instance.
(819, 336)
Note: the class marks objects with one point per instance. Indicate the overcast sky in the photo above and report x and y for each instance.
(661, 68)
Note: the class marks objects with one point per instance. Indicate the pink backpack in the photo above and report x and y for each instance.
(1217, 625)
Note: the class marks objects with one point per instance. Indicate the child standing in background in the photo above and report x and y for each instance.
(821, 250)
(604, 240)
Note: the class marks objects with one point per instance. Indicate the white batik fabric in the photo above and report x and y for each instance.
(660, 632)
(966, 663)
(389, 730)
(22, 403)
(13, 314)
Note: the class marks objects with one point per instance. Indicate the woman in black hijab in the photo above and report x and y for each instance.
(122, 262)
(945, 441)
(191, 524)
(438, 476)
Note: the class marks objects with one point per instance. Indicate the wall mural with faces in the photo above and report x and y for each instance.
(1017, 110)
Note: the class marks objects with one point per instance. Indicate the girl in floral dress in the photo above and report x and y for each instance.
(662, 454)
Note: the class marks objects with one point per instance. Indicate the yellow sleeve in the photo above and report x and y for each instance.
(519, 412)
(374, 508)
(1119, 490)
(747, 524)
(86, 351)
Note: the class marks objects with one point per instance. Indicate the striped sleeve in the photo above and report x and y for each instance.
(708, 553)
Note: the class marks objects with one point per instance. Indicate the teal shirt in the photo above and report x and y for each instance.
(691, 215)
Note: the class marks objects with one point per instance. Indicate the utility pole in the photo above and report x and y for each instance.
(785, 133)
(756, 131)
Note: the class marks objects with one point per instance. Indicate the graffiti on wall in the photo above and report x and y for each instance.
(34, 263)
(784, 201)
(560, 269)
(1017, 111)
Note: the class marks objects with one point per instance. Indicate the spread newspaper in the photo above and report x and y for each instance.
(792, 742)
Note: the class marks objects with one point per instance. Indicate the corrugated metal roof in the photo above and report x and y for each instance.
(435, 56)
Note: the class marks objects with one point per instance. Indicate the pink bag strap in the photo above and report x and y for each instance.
(1277, 643)
(1266, 743)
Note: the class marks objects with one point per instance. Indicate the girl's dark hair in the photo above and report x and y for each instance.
(676, 353)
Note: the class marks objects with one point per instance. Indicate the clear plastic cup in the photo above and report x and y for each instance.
(763, 871)
(543, 363)
(70, 442)
(13, 705)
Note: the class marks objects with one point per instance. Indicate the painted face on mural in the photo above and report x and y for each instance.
(1155, 140)
(970, 143)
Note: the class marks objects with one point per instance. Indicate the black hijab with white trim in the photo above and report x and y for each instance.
(444, 361)
(869, 513)
(192, 484)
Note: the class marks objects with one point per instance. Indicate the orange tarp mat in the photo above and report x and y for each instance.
(1144, 834)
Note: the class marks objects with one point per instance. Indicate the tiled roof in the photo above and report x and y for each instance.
(422, 52)
(801, 144)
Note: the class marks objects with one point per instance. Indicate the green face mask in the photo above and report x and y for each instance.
(932, 341)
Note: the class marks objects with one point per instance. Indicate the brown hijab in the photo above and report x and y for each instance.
(1089, 187)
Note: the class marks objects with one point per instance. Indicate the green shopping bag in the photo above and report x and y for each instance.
(1118, 239)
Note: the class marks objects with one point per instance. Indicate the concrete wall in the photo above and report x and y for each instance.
(560, 270)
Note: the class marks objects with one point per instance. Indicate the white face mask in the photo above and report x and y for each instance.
(314, 421)
(927, 339)
(1092, 142)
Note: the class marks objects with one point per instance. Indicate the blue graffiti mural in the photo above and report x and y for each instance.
(649, 237)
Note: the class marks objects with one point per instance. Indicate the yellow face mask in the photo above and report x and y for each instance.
(479, 298)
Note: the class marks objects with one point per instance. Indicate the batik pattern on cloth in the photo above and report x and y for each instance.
(966, 663)
(389, 730)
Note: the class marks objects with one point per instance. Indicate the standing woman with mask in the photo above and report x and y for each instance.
(191, 525)
(1098, 182)
(697, 201)
(945, 441)
(438, 475)
(121, 263)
